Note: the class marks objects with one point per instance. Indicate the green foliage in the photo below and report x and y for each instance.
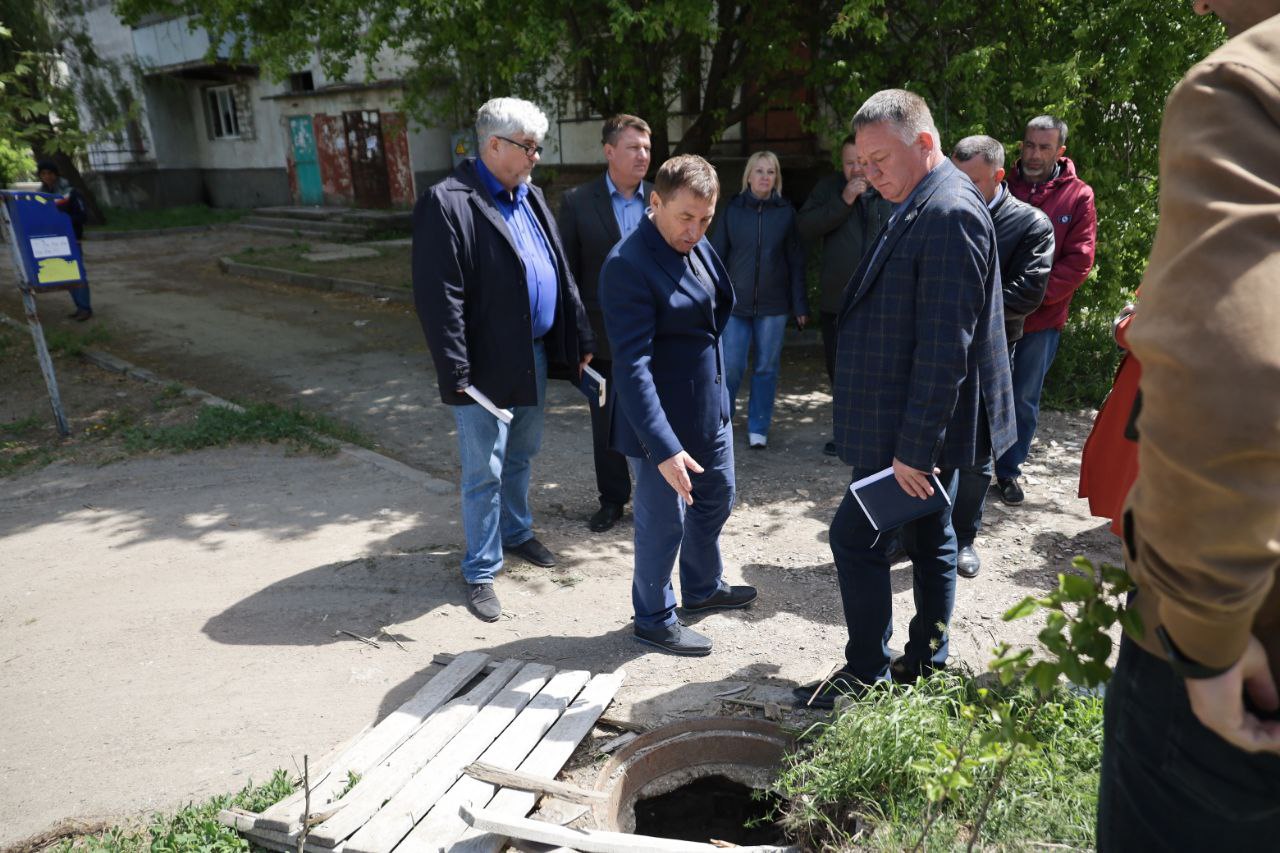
(881, 764)
(16, 162)
(217, 426)
(42, 106)
(194, 829)
(714, 61)
(120, 219)
(353, 779)
(73, 342)
(988, 68)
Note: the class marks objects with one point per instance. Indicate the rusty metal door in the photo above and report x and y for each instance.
(368, 158)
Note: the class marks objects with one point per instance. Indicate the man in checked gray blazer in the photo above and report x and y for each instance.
(922, 382)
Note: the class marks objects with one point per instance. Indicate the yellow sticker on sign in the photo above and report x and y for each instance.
(54, 270)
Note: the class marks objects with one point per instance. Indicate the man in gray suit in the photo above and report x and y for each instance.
(593, 218)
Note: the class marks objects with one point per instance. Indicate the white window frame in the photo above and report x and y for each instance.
(220, 107)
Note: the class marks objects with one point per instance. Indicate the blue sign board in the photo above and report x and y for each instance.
(44, 240)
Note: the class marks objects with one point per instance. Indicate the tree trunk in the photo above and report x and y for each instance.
(67, 169)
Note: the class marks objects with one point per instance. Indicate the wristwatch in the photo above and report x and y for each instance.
(1183, 666)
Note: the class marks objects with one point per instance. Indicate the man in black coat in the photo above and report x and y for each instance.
(497, 304)
(1024, 242)
(593, 218)
(843, 214)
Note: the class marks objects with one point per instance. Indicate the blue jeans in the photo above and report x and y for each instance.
(665, 525)
(1169, 783)
(862, 566)
(496, 460)
(80, 296)
(762, 336)
(1032, 358)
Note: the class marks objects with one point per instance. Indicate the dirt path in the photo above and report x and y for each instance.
(250, 650)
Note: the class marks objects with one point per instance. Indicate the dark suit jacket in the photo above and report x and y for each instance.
(921, 353)
(469, 288)
(668, 362)
(589, 231)
(1024, 240)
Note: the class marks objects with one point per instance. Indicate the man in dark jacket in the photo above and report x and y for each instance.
(497, 303)
(1046, 179)
(922, 382)
(667, 300)
(1024, 242)
(843, 214)
(593, 218)
(70, 203)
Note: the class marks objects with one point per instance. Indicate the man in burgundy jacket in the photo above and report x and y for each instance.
(1043, 177)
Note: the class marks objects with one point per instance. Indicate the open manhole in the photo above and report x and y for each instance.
(696, 781)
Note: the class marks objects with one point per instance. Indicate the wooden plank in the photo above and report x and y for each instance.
(281, 842)
(442, 826)
(592, 840)
(389, 776)
(547, 758)
(398, 817)
(371, 750)
(524, 782)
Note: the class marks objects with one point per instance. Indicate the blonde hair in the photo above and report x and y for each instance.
(751, 164)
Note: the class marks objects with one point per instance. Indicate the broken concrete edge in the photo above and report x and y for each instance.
(94, 235)
(115, 364)
(315, 282)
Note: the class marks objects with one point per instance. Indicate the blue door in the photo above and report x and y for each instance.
(306, 164)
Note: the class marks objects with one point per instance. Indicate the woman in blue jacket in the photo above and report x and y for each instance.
(757, 240)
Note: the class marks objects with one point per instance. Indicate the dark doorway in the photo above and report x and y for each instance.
(368, 158)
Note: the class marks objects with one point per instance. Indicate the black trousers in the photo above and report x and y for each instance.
(829, 335)
(1168, 783)
(613, 477)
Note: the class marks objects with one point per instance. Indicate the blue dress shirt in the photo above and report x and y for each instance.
(627, 211)
(535, 251)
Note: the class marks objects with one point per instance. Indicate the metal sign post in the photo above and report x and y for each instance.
(33, 319)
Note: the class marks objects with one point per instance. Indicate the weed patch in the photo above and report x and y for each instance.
(216, 426)
(194, 829)
(73, 343)
(862, 778)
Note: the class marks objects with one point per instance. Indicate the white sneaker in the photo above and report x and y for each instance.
(755, 439)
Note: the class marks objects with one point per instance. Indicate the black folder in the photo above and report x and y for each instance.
(887, 506)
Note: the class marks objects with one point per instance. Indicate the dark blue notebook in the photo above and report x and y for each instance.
(887, 506)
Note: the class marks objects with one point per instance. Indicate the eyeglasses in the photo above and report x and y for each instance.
(530, 151)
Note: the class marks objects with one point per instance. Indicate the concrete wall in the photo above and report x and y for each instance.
(155, 188)
(175, 132)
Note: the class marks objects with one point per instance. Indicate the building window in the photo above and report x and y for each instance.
(302, 82)
(224, 121)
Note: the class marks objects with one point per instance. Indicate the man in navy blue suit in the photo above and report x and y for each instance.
(922, 381)
(666, 299)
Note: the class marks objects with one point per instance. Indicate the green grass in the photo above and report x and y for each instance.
(390, 268)
(194, 829)
(120, 219)
(861, 766)
(216, 426)
(73, 343)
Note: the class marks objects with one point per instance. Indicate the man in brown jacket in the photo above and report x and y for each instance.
(1191, 757)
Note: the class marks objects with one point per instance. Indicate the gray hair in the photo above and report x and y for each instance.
(905, 110)
(990, 150)
(1048, 122)
(509, 117)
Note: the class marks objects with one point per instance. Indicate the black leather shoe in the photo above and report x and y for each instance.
(829, 449)
(534, 552)
(483, 602)
(677, 639)
(968, 563)
(729, 598)
(1010, 491)
(822, 695)
(606, 516)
